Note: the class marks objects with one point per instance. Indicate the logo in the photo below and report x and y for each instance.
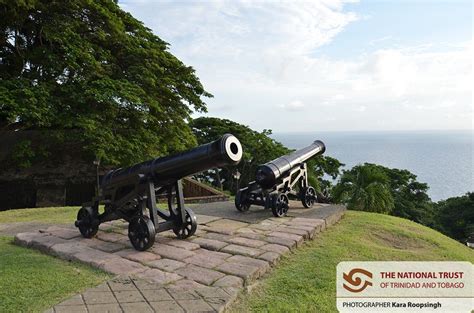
(355, 284)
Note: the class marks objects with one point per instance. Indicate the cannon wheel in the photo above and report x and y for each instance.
(188, 228)
(85, 218)
(308, 197)
(280, 205)
(240, 202)
(141, 232)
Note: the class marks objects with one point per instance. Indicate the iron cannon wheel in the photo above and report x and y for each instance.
(308, 197)
(280, 205)
(188, 228)
(85, 218)
(141, 232)
(240, 202)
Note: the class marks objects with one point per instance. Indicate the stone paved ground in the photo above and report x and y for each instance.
(201, 274)
(256, 213)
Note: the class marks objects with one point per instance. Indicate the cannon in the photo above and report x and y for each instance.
(127, 193)
(276, 182)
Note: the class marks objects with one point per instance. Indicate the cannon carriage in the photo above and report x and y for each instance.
(280, 180)
(127, 193)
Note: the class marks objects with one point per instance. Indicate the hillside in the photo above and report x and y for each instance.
(305, 280)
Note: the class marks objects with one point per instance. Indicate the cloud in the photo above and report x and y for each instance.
(250, 38)
(233, 28)
(294, 105)
(259, 59)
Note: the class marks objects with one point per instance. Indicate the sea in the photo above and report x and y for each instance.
(442, 159)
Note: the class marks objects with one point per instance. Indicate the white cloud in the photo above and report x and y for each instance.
(259, 61)
(232, 28)
(295, 105)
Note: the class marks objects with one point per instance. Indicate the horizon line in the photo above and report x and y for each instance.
(375, 131)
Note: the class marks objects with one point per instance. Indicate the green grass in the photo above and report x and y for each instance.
(53, 215)
(58, 215)
(305, 281)
(32, 282)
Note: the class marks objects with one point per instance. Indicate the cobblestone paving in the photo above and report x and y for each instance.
(201, 274)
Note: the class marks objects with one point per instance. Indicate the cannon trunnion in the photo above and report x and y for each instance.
(127, 193)
(276, 182)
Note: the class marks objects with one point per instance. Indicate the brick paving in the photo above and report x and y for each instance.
(204, 273)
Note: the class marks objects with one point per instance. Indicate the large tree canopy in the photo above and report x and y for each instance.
(456, 216)
(95, 75)
(365, 188)
(376, 188)
(410, 196)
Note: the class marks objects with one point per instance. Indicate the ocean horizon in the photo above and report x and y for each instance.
(441, 158)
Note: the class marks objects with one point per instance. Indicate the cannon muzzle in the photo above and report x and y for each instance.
(268, 173)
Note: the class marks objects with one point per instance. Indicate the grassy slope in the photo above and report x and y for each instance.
(306, 280)
(32, 282)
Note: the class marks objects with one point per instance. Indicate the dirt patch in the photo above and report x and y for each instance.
(399, 241)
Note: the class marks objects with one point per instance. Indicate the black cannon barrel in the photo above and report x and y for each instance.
(268, 173)
(226, 150)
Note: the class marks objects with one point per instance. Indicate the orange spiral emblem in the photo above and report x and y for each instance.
(355, 284)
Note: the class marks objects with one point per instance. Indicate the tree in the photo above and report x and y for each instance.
(258, 148)
(97, 77)
(455, 216)
(365, 188)
(411, 197)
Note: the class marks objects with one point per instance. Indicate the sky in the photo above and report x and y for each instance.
(329, 65)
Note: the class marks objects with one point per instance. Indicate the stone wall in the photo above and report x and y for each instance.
(63, 177)
(32, 193)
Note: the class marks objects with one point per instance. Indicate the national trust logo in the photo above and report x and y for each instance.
(354, 282)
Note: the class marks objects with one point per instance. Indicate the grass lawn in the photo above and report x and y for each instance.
(33, 282)
(57, 215)
(305, 281)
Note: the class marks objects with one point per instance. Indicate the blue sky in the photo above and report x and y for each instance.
(325, 65)
(391, 24)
